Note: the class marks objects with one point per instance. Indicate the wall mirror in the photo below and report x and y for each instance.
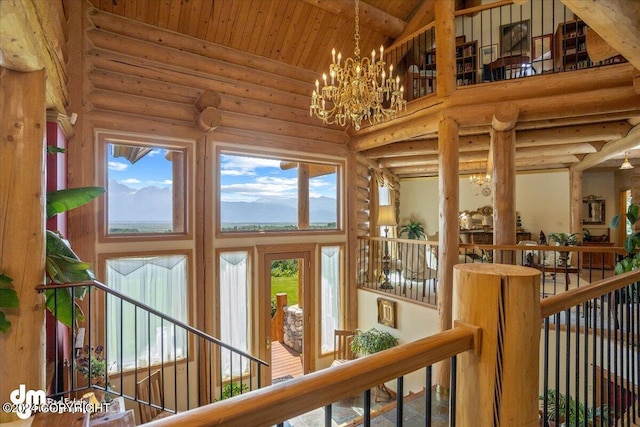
(593, 210)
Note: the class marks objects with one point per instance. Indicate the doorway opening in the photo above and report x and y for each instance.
(287, 320)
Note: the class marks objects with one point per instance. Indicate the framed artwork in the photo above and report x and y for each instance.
(542, 46)
(387, 312)
(515, 38)
(489, 53)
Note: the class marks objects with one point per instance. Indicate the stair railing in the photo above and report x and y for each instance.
(195, 368)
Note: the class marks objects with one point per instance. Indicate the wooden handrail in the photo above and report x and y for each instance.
(271, 405)
(576, 296)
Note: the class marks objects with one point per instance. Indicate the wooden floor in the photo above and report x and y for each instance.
(284, 361)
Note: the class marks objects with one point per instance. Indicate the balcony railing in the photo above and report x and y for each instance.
(613, 348)
(498, 41)
(192, 367)
(409, 268)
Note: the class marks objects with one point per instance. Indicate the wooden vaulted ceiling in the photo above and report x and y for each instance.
(556, 131)
(297, 32)
(302, 33)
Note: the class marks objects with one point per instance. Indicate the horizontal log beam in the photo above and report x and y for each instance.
(122, 122)
(370, 16)
(138, 67)
(614, 148)
(248, 137)
(166, 58)
(169, 39)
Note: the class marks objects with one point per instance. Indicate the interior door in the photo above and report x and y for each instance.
(267, 348)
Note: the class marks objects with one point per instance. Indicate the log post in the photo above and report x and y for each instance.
(575, 209)
(503, 158)
(449, 235)
(446, 51)
(22, 150)
(498, 384)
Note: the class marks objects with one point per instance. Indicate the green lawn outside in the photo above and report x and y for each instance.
(288, 285)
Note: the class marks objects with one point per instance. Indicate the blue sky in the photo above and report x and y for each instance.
(151, 170)
(243, 179)
(246, 179)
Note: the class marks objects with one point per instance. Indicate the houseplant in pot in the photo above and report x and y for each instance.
(564, 239)
(413, 230)
(372, 341)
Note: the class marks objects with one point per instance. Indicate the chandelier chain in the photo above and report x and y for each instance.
(356, 36)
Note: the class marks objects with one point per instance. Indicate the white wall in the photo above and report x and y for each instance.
(414, 321)
(541, 198)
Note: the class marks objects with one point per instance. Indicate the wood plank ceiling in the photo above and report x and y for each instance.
(303, 32)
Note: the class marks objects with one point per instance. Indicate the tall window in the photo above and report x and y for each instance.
(147, 185)
(330, 298)
(275, 194)
(141, 338)
(234, 309)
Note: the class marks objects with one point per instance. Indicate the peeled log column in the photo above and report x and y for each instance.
(22, 148)
(209, 119)
(498, 385)
(449, 190)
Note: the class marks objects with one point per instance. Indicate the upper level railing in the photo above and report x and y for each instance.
(118, 346)
(409, 268)
(317, 391)
(498, 41)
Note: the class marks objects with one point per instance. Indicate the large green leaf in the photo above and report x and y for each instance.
(4, 323)
(62, 264)
(64, 200)
(8, 298)
(62, 305)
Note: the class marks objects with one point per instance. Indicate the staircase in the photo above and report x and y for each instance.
(174, 366)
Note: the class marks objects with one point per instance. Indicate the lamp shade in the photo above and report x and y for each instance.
(626, 164)
(386, 215)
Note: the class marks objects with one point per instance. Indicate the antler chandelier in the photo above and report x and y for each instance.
(357, 90)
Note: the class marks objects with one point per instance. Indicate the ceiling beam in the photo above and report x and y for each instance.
(610, 150)
(370, 16)
(616, 21)
(31, 38)
(591, 133)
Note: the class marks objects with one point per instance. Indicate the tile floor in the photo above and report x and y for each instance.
(348, 412)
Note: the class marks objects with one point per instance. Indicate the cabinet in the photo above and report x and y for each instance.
(467, 63)
(570, 50)
(466, 68)
(598, 259)
(482, 237)
(570, 47)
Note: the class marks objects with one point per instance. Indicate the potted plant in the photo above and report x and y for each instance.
(632, 260)
(92, 365)
(413, 229)
(564, 239)
(578, 413)
(372, 341)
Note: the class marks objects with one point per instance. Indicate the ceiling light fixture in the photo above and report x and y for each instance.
(480, 180)
(358, 89)
(626, 164)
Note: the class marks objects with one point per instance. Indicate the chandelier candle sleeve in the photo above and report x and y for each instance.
(359, 89)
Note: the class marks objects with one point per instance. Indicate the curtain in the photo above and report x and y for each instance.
(136, 337)
(330, 298)
(234, 310)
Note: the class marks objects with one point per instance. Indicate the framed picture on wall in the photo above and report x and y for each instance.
(515, 38)
(542, 46)
(489, 53)
(387, 312)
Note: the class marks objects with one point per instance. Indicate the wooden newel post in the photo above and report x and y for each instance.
(498, 384)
